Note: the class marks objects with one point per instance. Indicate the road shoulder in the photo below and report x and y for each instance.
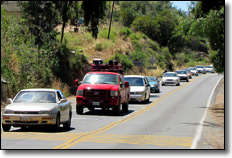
(213, 131)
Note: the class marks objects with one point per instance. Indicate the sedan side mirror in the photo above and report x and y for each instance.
(62, 101)
(9, 101)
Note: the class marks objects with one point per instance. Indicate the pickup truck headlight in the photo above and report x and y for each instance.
(80, 92)
(113, 93)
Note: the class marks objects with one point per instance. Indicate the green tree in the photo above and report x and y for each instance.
(93, 11)
(41, 18)
(212, 27)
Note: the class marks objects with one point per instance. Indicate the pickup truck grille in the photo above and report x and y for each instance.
(96, 94)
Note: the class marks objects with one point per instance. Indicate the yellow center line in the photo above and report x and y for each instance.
(82, 137)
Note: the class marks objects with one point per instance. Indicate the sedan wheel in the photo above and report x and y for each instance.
(57, 125)
(6, 128)
(68, 123)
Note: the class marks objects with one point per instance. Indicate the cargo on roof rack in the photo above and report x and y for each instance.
(111, 66)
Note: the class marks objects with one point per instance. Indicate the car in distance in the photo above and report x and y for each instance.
(154, 84)
(170, 78)
(201, 69)
(183, 75)
(209, 68)
(34, 107)
(139, 88)
(189, 73)
(193, 70)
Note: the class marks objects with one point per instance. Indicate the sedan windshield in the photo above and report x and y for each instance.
(152, 79)
(181, 72)
(36, 97)
(135, 81)
(101, 79)
(170, 75)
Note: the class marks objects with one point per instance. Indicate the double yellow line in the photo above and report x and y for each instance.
(84, 136)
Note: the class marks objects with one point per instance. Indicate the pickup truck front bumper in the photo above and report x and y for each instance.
(97, 102)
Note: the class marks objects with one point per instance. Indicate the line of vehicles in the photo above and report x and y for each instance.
(105, 87)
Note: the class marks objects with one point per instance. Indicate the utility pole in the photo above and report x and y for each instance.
(111, 20)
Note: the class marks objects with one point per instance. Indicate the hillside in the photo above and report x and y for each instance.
(134, 45)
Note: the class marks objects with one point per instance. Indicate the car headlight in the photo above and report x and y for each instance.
(80, 92)
(113, 93)
(153, 85)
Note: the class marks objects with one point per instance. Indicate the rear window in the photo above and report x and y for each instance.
(135, 81)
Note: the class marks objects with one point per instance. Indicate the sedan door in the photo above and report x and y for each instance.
(64, 107)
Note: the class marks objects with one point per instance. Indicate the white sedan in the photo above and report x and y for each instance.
(34, 107)
(170, 78)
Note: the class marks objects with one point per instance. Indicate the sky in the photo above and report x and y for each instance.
(181, 4)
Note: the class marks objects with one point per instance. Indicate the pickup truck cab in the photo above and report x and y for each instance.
(105, 90)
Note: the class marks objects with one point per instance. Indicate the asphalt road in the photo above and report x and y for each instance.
(171, 120)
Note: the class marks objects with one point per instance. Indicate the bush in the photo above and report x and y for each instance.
(124, 60)
(99, 47)
(125, 32)
(104, 34)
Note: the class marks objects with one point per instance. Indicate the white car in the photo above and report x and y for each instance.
(139, 88)
(36, 107)
(201, 69)
(170, 78)
(193, 70)
(209, 68)
(183, 75)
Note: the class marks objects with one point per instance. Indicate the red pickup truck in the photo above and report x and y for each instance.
(103, 89)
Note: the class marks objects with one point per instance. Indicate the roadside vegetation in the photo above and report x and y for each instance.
(34, 53)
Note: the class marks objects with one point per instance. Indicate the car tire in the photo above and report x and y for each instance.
(6, 128)
(178, 84)
(118, 108)
(79, 110)
(125, 107)
(56, 127)
(68, 123)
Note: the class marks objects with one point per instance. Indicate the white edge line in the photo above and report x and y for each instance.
(200, 127)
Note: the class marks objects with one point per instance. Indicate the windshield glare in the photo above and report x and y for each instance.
(36, 97)
(181, 72)
(152, 79)
(170, 75)
(100, 79)
(135, 81)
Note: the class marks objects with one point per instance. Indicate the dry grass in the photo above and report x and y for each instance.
(57, 84)
(216, 111)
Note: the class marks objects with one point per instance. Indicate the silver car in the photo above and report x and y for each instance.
(139, 88)
(33, 107)
(201, 69)
(170, 78)
(193, 70)
(183, 75)
(209, 68)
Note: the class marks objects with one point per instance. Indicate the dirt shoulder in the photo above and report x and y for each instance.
(213, 132)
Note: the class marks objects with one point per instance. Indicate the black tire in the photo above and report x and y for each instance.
(147, 100)
(125, 107)
(79, 110)
(118, 108)
(6, 128)
(68, 123)
(56, 127)
(178, 84)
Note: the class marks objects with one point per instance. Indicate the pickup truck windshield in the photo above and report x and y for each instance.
(100, 79)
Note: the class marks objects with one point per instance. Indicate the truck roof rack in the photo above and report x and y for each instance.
(111, 66)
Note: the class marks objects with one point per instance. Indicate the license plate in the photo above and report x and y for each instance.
(26, 118)
(96, 103)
